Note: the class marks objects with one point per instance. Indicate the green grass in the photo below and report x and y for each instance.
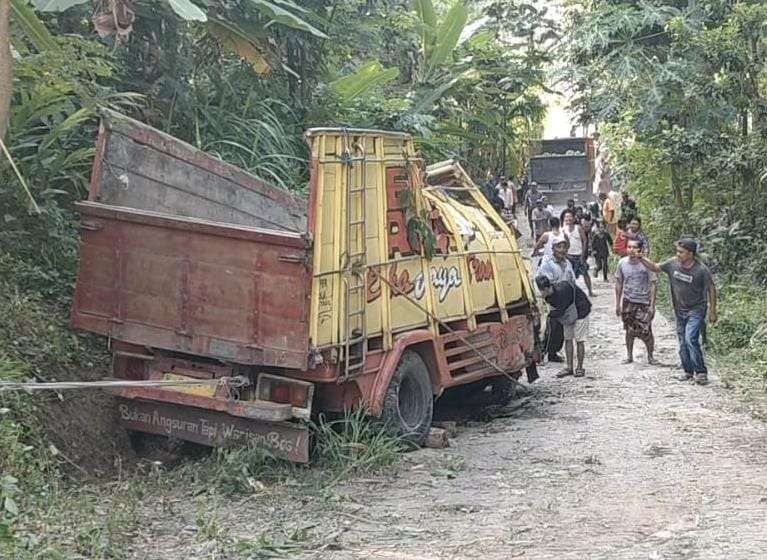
(738, 345)
(355, 443)
(27, 467)
(93, 521)
(25, 455)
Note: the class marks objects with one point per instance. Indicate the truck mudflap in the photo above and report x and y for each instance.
(285, 440)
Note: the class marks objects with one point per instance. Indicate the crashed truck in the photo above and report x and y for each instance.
(279, 308)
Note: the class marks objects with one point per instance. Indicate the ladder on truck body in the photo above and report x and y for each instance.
(354, 336)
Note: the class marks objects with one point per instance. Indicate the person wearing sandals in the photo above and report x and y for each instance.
(577, 252)
(569, 306)
(556, 268)
(635, 290)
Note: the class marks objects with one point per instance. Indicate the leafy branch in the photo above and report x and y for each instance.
(419, 232)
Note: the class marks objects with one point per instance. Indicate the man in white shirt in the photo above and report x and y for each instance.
(557, 269)
(507, 192)
(547, 205)
(548, 238)
(577, 252)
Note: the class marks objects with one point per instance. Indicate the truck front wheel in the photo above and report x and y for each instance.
(409, 404)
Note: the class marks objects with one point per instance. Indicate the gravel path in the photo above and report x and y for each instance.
(626, 463)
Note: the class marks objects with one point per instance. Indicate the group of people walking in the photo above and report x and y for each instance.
(565, 243)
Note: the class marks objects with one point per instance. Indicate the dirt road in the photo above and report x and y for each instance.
(626, 463)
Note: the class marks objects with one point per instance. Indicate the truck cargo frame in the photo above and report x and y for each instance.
(195, 269)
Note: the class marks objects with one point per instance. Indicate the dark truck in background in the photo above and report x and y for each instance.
(563, 168)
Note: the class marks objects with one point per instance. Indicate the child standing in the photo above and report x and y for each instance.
(600, 246)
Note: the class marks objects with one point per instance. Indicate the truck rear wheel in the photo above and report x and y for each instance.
(409, 404)
(169, 451)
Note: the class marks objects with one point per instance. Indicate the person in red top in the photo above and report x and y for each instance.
(620, 244)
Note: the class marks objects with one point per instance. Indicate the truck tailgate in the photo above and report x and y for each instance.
(226, 291)
(559, 169)
(182, 251)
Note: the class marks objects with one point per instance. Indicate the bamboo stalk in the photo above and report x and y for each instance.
(32, 201)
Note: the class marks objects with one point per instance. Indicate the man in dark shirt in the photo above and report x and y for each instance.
(628, 207)
(693, 293)
(594, 210)
(634, 231)
(570, 205)
(532, 196)
(560, 296)
(601, 243)
(489, 189)
(540, 220)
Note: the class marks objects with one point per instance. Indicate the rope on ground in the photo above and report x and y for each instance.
(238, 381)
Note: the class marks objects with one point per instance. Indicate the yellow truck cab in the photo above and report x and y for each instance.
(395, 283)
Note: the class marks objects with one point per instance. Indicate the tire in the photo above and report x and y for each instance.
(493, 391)
(169, 451)
(504, 390)
(409, 403)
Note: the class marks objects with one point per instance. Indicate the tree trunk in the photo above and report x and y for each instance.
(6, 85)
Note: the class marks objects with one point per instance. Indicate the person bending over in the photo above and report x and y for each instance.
(570, 307)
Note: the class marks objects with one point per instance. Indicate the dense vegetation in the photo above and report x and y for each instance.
(679, 90)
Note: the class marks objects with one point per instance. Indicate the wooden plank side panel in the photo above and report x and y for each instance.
(413, 276)
(178, 149)
(447, 280)
(140, 167)
(97, 291)
(511, 275)
(326, 257)
(194, 291)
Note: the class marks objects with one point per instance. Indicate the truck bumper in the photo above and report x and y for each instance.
(190, 422)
